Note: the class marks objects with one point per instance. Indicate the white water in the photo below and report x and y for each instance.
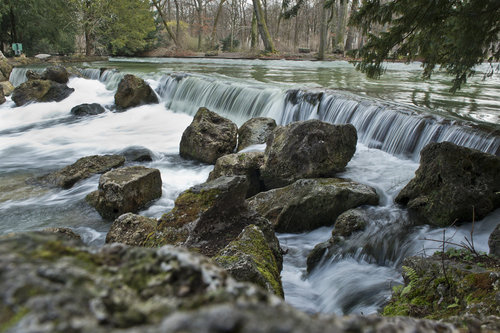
(39, 138)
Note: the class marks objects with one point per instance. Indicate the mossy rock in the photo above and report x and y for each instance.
(208, 137)
(311, 203)
(463, 289)
(133, 91)
(255, 131)
(309, 149)
(249, 258)
(452, 185)
(40, 91)
(241, 164)
(83, 168)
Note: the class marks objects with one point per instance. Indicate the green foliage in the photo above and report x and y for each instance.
(40, 25)
(457, 35)
(130, 28)
(226, 43)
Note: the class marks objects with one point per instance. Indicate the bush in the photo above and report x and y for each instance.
(226, 43)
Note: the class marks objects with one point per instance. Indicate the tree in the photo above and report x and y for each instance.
(262, 26)
(455, 34)
(130, 26)
(159, 7)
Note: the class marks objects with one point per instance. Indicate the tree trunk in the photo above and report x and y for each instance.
(340, 33)
(322, 32)
(169, 31)
(199, 10)
(262, 26)
(296, 35)
(216, 21)
(177, 21)
(351, 32)
(254, 33)
(13, 32)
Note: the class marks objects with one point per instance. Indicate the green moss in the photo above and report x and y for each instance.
(13, 319)
(428, 293)
(188, 207)
(53, 250)
(252, 244)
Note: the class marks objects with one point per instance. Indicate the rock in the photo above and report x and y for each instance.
(208, 137)
(210, 218)
(464, 290)
(83, 168)
(5, 69)
(32, 75)
(131, 229)
(494, 242)
(249, 258)
(133, 91)
(311, 203)
(58, 74)
(2, 97)
(242, 164)
(6, 87)
(213, 205)
(40, 91)
(51, 284)
(309, 149)
(453, 184)
(65, 232)
(318, 252)
(137, 154)
(349, 222)
(125, 190)
(255, 131)
(87, 109)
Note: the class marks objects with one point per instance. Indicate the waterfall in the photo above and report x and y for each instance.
(399, 130)
(18, 75)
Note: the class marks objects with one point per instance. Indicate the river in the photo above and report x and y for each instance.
(395, 118)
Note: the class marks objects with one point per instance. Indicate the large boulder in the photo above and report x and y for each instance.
(494, 242)
(58, 74)
(454, 287)
(311, 203)
(210, 218)
(40, 91)
(453, 184)
(133, 91)
(7, 88)
(131, 229)
(5, 69)
(87, 110)
(255, 131)
(242, 164)
(309, 149)
(125, 190)
(83, 168)
(2, 97)
(249, 258)
(208, 137)
(206, 217)
(51, 284)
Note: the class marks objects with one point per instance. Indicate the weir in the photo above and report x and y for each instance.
(399, 130)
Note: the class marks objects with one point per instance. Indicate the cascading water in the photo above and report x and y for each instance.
(38, 138)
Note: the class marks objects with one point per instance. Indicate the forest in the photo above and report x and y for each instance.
(132, 27)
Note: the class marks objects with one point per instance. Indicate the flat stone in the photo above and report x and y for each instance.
(125, 190)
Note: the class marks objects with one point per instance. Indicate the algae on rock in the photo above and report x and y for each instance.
(464, 290)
